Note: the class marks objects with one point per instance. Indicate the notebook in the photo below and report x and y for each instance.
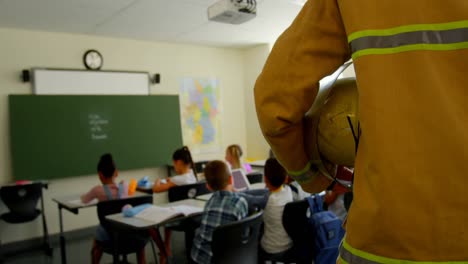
(241, 183)
(158, 214)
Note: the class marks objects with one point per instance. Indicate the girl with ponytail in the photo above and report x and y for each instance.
(183, 166)
(233, 157)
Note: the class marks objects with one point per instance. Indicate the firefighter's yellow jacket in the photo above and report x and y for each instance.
(411, 63)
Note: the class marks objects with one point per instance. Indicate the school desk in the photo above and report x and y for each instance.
(140, 224)
(73, 204)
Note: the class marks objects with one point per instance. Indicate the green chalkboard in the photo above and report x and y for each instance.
(64, 136)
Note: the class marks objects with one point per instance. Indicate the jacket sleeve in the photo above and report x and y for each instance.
(314, 46)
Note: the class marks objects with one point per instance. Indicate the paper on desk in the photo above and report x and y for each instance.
(157, 214)
(187, 209)
(80, 203)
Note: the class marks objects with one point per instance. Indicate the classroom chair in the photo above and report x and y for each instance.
(296, 223)
(200, 166)
(21, 201)
(188, 225)
(123, 240)
(237, 242)
(255, 177)
(187, 191)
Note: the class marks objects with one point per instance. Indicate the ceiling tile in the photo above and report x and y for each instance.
(155, 19)
(58, 15)
(265, 29)
(278, 9)
(213, 33)
(204, 3)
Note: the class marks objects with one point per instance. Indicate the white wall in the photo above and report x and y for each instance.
(254, 59)
(26, 49)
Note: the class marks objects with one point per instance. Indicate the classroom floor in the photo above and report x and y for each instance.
(78, 252)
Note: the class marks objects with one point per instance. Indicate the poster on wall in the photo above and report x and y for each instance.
(200, 114)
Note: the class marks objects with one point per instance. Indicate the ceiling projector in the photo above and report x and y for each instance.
(232, 11)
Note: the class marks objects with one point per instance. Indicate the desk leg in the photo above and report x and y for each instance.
(62, 238)
(115, 255)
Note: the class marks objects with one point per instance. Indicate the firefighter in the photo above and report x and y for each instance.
(411, 64)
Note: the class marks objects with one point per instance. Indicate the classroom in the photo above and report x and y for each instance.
(174, 39)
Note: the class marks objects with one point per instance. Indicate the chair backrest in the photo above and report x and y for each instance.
(200, 166)
(255, 177)
(105, 208)
(237, 242)
(22, 200)
(187, 191)
(296, 223)
(128, 240)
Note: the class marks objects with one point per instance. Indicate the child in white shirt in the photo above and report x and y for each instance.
(275, 241)
(185, 169)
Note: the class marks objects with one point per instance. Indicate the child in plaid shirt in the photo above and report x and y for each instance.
(224, 207)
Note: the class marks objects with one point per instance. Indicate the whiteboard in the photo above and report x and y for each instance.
(81, 82)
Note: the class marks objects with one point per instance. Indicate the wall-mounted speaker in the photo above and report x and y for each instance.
(156, 78)
(25, 76)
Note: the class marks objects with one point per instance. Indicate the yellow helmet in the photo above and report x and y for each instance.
(330, 122)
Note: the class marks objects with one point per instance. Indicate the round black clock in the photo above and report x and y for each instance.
(93, 60)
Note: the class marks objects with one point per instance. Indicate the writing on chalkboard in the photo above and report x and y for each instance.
(141, 131)
(98, 127)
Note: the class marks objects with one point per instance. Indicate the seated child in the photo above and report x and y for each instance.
(297, 191)
(275, 241)
(225, 206)
(233, 157)
(185, 169)
(108, 190)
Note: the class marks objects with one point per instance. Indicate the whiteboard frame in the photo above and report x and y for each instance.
(55, 81)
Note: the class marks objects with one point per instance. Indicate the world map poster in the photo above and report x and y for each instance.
(200, 114)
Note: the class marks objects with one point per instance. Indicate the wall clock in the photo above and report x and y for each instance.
(93, 60)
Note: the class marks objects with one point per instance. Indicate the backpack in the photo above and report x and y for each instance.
(327, 230)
